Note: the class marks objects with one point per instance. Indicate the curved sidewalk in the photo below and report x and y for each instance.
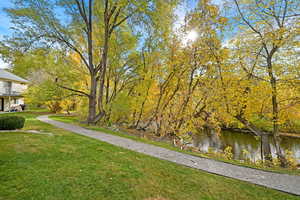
(281, 182)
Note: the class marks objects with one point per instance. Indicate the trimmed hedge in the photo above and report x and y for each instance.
(11, 122)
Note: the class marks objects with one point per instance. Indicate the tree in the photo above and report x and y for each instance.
(38, 21)
(270, 23)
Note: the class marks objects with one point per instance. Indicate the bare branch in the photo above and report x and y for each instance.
(251, 27)
(73, 90)
(82, 11)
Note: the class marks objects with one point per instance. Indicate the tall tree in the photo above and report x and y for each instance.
(39, 22)
(272, 24)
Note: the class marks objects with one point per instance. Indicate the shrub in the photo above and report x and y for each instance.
(54, 106)
(11, 122)
(228, 153)
(292, 162)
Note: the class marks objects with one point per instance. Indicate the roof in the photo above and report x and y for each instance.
(9, 76)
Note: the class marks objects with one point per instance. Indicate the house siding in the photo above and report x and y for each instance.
(2, 90)
(16, 88)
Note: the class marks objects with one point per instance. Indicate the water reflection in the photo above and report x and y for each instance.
(240, 142)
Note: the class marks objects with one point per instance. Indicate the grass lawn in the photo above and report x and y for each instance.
(69, 166)
(74, 120)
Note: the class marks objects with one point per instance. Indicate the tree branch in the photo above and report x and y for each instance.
(71, 89)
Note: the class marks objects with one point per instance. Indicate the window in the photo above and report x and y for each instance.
(7, 87)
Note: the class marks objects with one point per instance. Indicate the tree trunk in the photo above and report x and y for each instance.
(103, 69)
(93, 87)
(265, 147)
(92, 101)
(275, 112)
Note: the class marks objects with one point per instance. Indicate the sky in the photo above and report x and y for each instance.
(187, 6)
(4, 24)
(5, 21)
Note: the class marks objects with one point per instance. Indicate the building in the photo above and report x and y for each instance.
(11, 90)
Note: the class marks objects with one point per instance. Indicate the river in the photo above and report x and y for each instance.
(240, 142)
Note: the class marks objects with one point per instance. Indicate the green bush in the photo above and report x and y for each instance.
(11, 122)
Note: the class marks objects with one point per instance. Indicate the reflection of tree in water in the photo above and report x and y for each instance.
(292, 144)
(240, 142)
(209, 139)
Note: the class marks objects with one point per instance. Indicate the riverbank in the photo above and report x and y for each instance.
(246, 131)
(293, 135)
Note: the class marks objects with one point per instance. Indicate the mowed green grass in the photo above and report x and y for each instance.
(69, 166)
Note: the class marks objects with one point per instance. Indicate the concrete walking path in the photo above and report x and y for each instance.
(282, 182)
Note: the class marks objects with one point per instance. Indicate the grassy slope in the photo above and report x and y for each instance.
(68, 166)
(74, 120)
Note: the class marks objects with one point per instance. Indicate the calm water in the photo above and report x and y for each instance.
(242, 141)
